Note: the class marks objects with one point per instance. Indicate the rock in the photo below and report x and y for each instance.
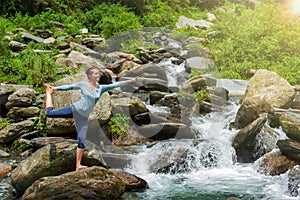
(103, 109)
(80, 59)
(52, 160)
(296, 101)
(196, 52)
(66, 62)
(15, 130)
(40, 142)
(199, 63)
(170, 161)
(274, 164)
(244, 142)
(90, 183)
(4, 170)
(23, 113)
(129, 106)
(116, 161)
(294, 181)
(88, 51)
(184, 21)
(22, 97)
(49, 40)
(17, 46)
(290, 122)
(164, 131)
(44, 33)
(132, 182)
(4, 154)
(211, 17)
(198, 82)
(290, 149)
(266, 90)
(29, 37)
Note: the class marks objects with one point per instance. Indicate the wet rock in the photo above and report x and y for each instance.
(244, 142)
(4, 170)
(164, 131)
(116, 161)
(274, 164)
(170, 161)
(294, 181)
(132, 182)
(290, 149)
(290, 122)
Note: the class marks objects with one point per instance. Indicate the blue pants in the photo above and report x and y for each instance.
(81, 122)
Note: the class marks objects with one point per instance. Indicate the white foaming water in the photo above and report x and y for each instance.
(173, 72)
(218, 177)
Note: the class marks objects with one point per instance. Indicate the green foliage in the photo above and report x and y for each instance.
(202, 95)
(266, 37)
(118, 126)
(44, 20)
(111, 19)
(20, 145)
(4, 123)
(28, 67)
(159, 14)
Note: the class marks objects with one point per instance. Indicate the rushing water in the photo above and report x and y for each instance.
(212, 171)
(222, 179)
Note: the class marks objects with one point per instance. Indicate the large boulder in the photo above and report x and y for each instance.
(274, 164)
(290, 122)
(290, 149)
(21, 98)
(52, 160)
(164, 131)
(91, 183)
(266, 90)
(245, 141)
(15, 130)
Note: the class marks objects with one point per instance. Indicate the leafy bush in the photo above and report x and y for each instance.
(70, 24)
(28, 67)
(111, 19)
(202, 95)
(4, 123)
(159, 14)
(118, 125)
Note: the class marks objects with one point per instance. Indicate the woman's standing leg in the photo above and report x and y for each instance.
(81, 127)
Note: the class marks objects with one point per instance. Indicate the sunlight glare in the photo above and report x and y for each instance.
(295, 4)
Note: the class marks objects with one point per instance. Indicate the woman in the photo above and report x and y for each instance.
(80, 110)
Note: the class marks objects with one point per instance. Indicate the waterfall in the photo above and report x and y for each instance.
(211, 171)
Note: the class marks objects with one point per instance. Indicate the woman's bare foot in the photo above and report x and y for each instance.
(49, 89)
(81, 167)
